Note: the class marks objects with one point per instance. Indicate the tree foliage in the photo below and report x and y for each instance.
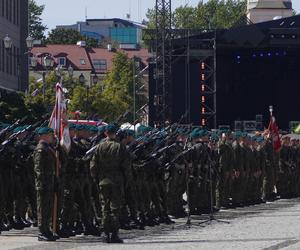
(213, 14)
(107, 100)
(69, 36)
(36, 26)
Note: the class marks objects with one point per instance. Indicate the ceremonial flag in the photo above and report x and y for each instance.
(273, 128)
(59, 119)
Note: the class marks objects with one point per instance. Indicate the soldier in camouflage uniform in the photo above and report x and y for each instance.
(109, 167)
(226, 161)
(44, 166)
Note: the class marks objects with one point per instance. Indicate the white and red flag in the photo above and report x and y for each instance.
(273, 128)
(59, 119)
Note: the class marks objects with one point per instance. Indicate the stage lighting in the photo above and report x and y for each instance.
(261, 54)
(254, 55)
(269, 54)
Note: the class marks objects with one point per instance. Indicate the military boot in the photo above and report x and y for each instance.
(64, 232)
(92, 230)
(115, 238)
(46, 237)
(18, 224)
(106, 238)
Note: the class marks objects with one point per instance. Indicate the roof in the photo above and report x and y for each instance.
(123, 21)
(101, 53)
(74, 54)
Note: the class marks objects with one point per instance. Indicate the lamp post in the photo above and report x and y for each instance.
(70, 71)
(135, 66)
(47, 62)
(8, 43)
(82, 81)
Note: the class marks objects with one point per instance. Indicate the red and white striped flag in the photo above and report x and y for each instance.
(59, 119)
(273, 128)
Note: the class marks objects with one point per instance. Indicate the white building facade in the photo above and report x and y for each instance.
(266, 10)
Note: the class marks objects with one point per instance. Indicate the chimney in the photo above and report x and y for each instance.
(109, 47)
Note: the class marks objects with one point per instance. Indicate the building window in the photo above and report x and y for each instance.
(14, 12)
(18, 12)
(3, 57)
(10, 11)
(100, 64)
(62, 61)
(15, 62)
(6, 8)
(2, 7)
(82, 62)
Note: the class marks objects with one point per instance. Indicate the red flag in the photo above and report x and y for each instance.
(59, 119)
(273, 128)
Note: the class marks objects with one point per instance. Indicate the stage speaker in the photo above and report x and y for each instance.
(238, 125)
(249, 126)
(259, 118)
(259, 126)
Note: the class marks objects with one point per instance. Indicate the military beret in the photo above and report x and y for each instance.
(130, 132)
(112, 128)
(101, 129)
(203, 132)
(258, 139)
(214, 137)
(195, 133)
(45, 130)
(93, 129)
(80, 127)
(143, 129)
(237, 134)
(4, 125)
(18, 129)
(72, 126)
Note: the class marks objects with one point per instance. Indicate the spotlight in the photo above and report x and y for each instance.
(269, 54)
(254, 55)
(261, 54)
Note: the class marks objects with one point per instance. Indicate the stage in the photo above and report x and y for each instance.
(223, 76)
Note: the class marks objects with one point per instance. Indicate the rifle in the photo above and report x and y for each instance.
(11, 127)
(13, 137)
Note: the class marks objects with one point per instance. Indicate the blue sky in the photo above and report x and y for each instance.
(69, 11)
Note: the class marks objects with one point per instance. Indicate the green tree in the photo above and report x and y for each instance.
(36, 27)
(69, 36)
(220, 14)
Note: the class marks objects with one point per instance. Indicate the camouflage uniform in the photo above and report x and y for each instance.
(44, 167)
(110, 167)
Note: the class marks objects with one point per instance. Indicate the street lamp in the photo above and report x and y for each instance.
(48, 61)
(7, 42)
(33, 61)
(81, 79)
(29, 42)
(95, 79)
(70, 71)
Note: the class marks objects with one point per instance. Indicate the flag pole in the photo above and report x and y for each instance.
(58, 135)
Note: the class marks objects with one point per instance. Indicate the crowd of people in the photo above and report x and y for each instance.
(120, 178)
